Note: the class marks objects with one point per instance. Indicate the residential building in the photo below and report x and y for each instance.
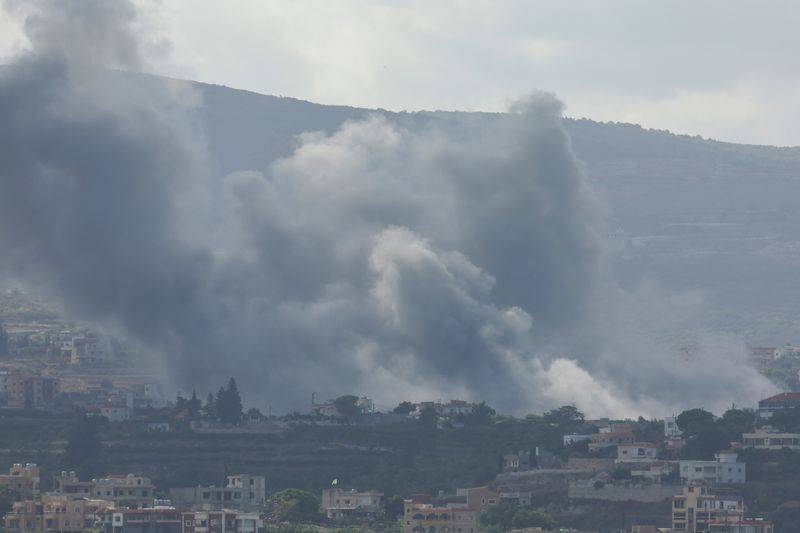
(517, 462)
(739, 525)
(479, 498)
(572, 439)
(220, 522)
(87, 349)
(428, 514)
(54, 513)
(638, 452)
(653, 472)
(23, 479)
(784, 400)
(116, 412)
(771, 440)
(128, 490)
(26, 392)
(697, 507)
(154, 520)
(606, 439)
(338, 503)
(725, 468)
(241, 491)
(671, 428)
(67, 483)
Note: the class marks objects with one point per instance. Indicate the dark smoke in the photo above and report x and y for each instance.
(401, 263)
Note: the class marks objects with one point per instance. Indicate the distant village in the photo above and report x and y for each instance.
(679, 460)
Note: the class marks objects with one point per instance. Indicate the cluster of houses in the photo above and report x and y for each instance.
(127, 504)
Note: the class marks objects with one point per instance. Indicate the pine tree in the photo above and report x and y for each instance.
(3, 341)
(194, 403)
(211, 409)
(221, 403)
(232, 414)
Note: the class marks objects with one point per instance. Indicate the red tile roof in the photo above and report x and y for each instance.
(781, 399)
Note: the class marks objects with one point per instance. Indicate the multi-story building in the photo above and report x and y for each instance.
(724, 469)
(67, 483)
(607, 439)
(741, 526)
(428, 514)
(155, 520)
(128, 490)
(241, 491)
(697, 507)
(517, 462)
(637, 452)
(26, 392)
(784, 400)
(54, 513)
(771, 440)
(671, 428)
(22, 479)
(340, 503)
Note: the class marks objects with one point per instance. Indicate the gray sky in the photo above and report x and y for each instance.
(722, 69)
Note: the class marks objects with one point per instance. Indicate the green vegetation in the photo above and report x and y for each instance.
(228, 404)
(403, 408)
(347, 406)
(7, 497)
(505, 516)
(295, 505)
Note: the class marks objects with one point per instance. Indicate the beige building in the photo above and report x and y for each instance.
(31, 392)
(764, 440)
(697, 507)
(340, 503)
(54, 513)
(128, 490)
(428, 514)
(23, 479)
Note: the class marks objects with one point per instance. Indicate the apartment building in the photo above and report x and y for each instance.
(741, 526)
(220, 522)
(771, 440)
(241, 491)
(23, 479)
(725, 468)
(338, 503)
(128, 490)
(428, 514)
(54, 513)
(26, 392)
(637, 452)
(697, 507)
(171, 520)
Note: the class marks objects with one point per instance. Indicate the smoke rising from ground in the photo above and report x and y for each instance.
(441, 261)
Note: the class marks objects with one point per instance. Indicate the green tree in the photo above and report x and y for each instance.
(737, 421)
(692, 420)
(210, 407)
(83, 442)
(428, 417)
(194, 403)
(229, 404)
(347, 406)
(481, 414)
(403, 408)
(786, 420)
(564, 415)
(529, 518)
(500, 515)
(705, 443)
(295, 505)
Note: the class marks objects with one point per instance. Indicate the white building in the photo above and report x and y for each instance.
(638, 452)
(770, 440)
(671, 428)
(572, 439)
(724, 469)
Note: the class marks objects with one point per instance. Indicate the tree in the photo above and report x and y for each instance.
(786, 420)
(194, 403)
(529, 518)
(705, 443)
(210, 407)
(403, 408)
(295, 505)
(229, 404)
(83, 444)
(347, 406)
(428, 417)
(692, 420)
(564, 415)
(738, 421)
(500, 515)
(481, 414)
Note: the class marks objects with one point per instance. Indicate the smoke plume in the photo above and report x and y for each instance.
(446, 260)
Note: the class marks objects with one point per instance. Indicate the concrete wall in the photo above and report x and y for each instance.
(618, 493)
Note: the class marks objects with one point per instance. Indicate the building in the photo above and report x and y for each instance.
(54, 513)
(741, 526)
(116, 412)
(784, 400)
(67, 483)
(241, 491)
(220, 522)
(724, 469)
(22, 479)
(770, 440)
(697, 507)
(428, 514)
(340, 503)
(517, 462)
(479, 498)
(638, 452)
(128, 490)
(155, 520)
(572, 439)
(88, 349)
(31, 392)
(671, 428)
(608, 438)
